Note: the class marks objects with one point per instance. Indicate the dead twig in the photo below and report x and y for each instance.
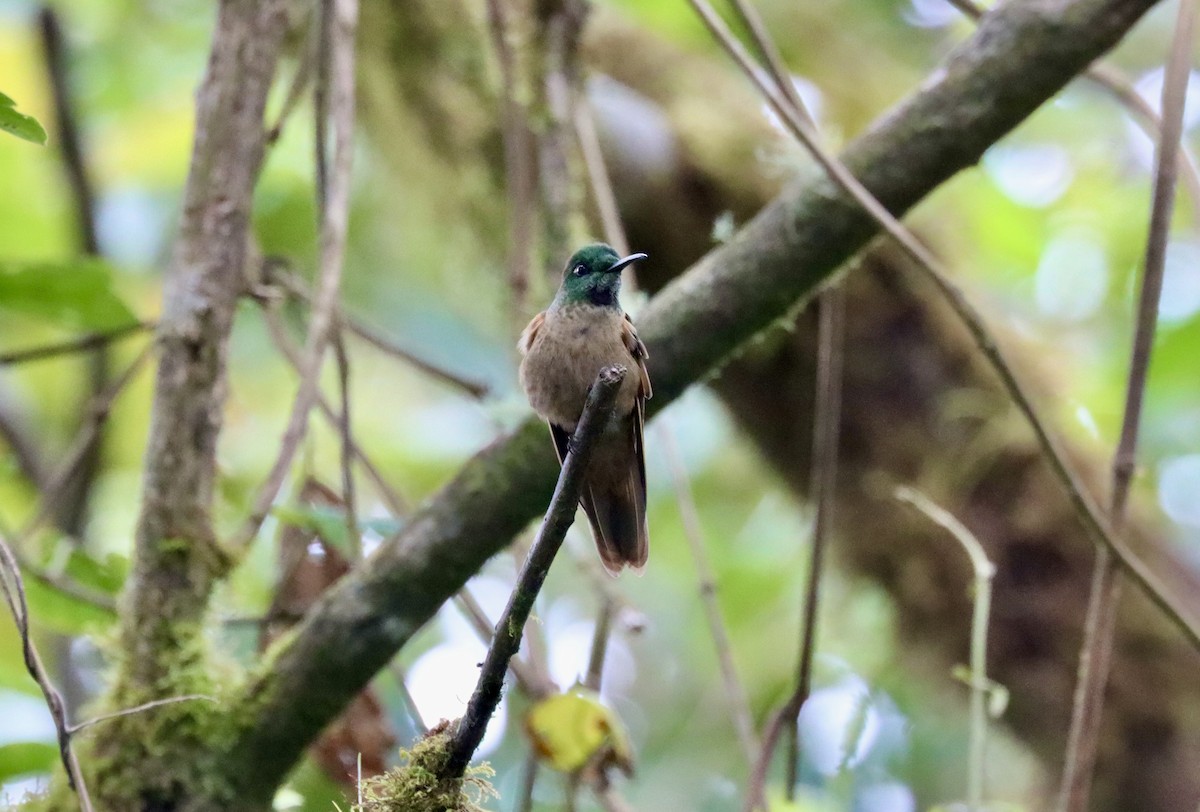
(335, 206)
(1100, 624)
(980, 686)
(346, 449)
(831, 306)
(95, 415)
(693, 532)
(379, 341)
(396, 503)
(14, 595)
(84, 343)
(145, 706)
(559, 517)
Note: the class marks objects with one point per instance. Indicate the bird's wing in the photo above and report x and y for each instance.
(635, 495)
(529, 334)
(645, 391)
(638, 350)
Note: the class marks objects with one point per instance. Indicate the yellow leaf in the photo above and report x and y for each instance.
(574, 730)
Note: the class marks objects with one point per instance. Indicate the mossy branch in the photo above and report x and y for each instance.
(1023, 53)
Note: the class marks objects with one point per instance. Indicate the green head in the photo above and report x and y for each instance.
(593, 276)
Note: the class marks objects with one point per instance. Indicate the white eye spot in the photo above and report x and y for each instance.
(580, 270)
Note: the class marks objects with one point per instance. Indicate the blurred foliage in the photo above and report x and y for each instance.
(423, 267)
(19, 124)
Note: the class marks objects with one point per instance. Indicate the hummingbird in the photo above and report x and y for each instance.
(564, 348)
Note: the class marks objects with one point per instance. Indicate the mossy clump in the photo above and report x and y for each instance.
(417, 785)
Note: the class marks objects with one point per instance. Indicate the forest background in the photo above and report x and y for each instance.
(473, 175)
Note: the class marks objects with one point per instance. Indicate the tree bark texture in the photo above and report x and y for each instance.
(1023, 53)
(150, 761)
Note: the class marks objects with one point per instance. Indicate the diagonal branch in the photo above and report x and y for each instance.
(1022, 54)
(1100, 623)
(597, 413)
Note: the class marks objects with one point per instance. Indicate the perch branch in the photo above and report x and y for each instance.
(561, 514)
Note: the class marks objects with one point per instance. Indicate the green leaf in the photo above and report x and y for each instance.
(19, 124)
(106, 576)
(25, 758)
(50, 608)
(76, 294)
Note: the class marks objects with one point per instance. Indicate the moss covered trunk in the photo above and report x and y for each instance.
(158, 759)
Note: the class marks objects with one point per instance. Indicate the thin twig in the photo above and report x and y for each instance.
(600, 181)
(693, 532)
(82, 193)
(599, 648)
(336, 210)
(827, 422)
(300, 80)
(14, 595)
(323, 58)
(537, 655)
(379, 341)
(1089, 513)
(396, 503)
(1100, 624)
(559, 517)
(520, 179)
(980, 685)
(145, 706)
(770, 54)
(529, 772)
(95, 415)
(831, 306)
(410, 702)
(523, 672)
(346, 449)
(71, 512)
(83, 343)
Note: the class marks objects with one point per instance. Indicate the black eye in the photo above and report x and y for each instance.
(579, 270)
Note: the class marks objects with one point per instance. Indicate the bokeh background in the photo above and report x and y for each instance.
(1047, 236)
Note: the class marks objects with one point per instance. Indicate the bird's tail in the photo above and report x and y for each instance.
(617, 511)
